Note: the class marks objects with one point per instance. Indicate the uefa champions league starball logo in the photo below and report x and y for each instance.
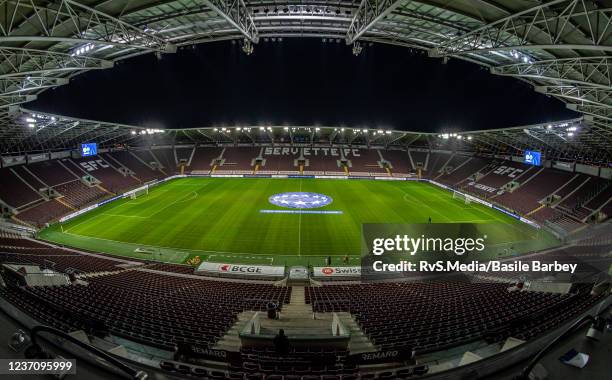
(300, 200)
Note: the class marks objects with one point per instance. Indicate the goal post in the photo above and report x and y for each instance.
(462, 197)
(139, 192)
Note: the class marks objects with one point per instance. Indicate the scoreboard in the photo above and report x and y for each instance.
(88, 150)
(533, 157)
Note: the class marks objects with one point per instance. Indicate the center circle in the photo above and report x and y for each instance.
(300, 200)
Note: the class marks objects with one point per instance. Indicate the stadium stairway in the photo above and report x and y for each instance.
(359, 341)
(297, 318)
(230, 341)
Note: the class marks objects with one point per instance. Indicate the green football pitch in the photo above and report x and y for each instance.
(220, 220)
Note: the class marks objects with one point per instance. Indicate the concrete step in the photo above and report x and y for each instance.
(298, 320)
(231, 340)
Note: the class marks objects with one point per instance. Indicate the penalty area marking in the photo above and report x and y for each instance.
(192, 194)
(186, 250)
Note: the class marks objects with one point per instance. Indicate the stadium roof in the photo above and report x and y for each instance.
(561, 47)
(34, 131)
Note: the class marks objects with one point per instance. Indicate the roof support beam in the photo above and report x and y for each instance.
(20, 85)
(592, 95)
(583, 71)
(602, 112)
(367, 15)
(70, 21)
(11, 100)
(237, 14)
(22, 61)
(545, 26)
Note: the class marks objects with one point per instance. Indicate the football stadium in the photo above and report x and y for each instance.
(318, 251)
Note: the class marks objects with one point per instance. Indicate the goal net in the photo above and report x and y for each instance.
(462, 197)
(139, 192)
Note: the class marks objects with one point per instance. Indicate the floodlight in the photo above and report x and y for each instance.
(31, 125)
(30, 120)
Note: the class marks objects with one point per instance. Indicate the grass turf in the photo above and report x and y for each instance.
(219, 219)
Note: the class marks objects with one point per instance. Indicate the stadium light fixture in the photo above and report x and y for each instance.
(30, 120)
(133, 132)
(317, 129)
(549, 126)
(341, 129)
(388, 132)
(31, 125)
(572, 129)
(469, 137)
(261, 128)
(570, 134)
(286, 128)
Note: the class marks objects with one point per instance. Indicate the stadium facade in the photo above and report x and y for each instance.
(93, 164)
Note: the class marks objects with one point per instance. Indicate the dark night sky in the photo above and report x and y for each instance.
(301, 82)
